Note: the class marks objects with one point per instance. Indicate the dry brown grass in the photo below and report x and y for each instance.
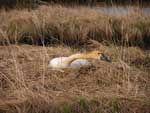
(28, 85)
(57, 24)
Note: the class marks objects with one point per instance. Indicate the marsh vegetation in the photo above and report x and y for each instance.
(29, 38)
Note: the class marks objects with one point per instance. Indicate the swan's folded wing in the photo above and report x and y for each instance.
(79, 63)
(57, 62)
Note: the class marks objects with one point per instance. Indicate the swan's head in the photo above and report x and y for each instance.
(99, 55)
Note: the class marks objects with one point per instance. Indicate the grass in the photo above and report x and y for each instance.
(35, 3)
(58, 24)
(27, 85)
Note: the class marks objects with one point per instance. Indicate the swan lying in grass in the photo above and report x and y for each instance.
(77, 60)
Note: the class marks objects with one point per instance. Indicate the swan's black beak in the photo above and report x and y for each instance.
(105, 58)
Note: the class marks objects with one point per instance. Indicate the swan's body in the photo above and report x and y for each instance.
(77, 60)
(58, 62)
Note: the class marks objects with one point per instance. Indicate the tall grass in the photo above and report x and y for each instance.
(57, 24)
(33, 3)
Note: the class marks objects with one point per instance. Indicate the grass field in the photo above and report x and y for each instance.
(28, 85)
(57, 24)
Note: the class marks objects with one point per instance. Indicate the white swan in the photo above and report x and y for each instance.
(76, 60)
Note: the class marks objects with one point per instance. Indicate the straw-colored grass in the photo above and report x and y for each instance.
(28, 85)
(57, 24)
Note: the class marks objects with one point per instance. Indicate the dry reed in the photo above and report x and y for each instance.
(57, 24)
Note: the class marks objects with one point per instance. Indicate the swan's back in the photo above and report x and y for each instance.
(59, 63)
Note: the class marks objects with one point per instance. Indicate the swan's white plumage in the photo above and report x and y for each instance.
(77, 60)
(59, 63)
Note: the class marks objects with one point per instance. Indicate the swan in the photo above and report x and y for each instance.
(77, 60)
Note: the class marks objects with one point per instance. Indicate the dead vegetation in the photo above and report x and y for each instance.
(58, 24)
(28, 85)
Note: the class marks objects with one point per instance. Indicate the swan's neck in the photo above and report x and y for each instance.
(71, 58)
